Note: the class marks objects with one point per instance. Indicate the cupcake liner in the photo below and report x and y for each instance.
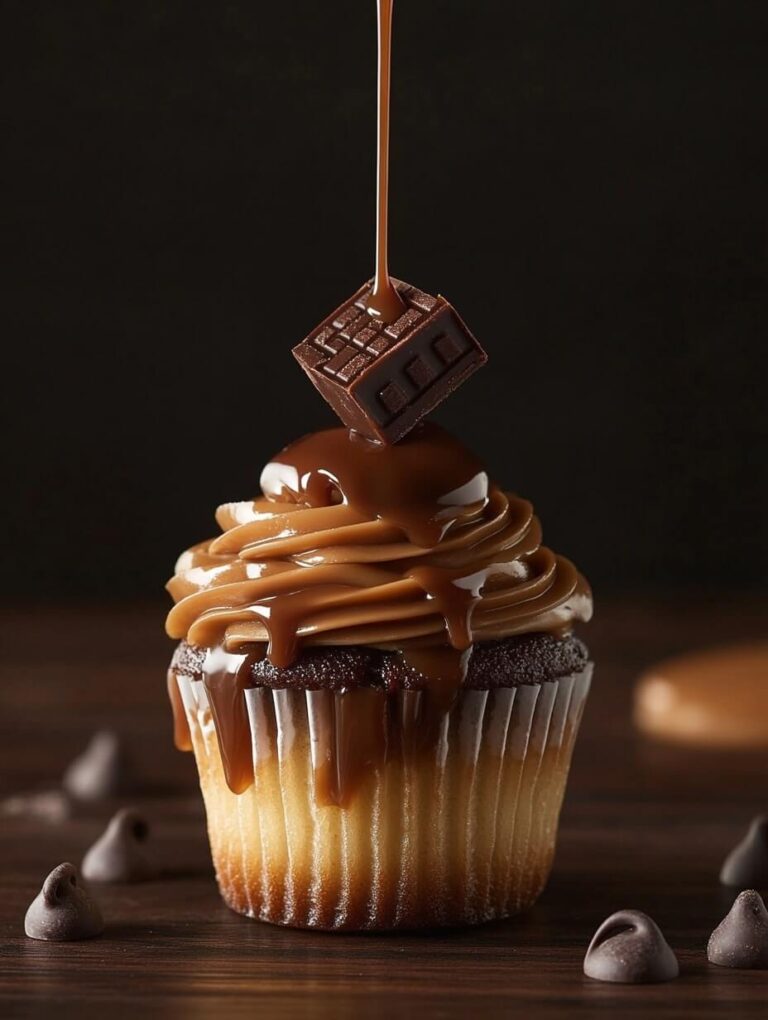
(367, 811)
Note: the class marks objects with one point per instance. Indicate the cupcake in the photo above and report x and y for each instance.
(379, 679)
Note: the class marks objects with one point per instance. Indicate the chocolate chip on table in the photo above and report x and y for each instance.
(629, 948)
(47, 805)
(63, 911)
(746, 866)
(741, 938)
(102, 771)
(118, 855)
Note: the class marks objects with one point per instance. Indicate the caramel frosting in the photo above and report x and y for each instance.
(407, 546)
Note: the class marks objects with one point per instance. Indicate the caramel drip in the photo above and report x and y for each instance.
(421, 485)
(354, 731)
(351, 739)
(182, 738)
(384, 301)
(226, 677)
(454, 597)
(445, 668)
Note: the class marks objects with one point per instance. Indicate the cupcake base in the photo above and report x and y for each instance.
(419, 822)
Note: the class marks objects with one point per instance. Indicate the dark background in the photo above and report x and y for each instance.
(188, 187)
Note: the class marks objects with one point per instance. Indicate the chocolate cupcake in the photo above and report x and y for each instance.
(379, 681)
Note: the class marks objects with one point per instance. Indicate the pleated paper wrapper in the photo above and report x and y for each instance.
(459, 831)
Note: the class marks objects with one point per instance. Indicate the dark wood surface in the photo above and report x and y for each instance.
(644, 826)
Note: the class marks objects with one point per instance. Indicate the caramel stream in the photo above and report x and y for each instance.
(385, 302)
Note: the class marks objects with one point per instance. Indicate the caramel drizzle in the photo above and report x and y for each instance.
(363, 544)
(182, 738)
(405, 547)
(226, 677)
(354, 731)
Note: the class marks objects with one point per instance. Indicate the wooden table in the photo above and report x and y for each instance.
(644, 826)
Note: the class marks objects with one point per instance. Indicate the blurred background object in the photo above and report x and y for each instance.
(716, 697)
(187, 191)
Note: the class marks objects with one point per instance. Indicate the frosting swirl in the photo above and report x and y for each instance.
(358, 544)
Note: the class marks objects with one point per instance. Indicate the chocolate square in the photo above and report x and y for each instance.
(383, 378)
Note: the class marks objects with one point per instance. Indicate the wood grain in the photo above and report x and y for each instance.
(644, 826)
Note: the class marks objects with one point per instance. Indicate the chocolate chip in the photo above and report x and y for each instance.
(741, 938)
(118, 855)
(746, 866)
(63, 911)
(102, 770)
(47, 805)
(629, 948)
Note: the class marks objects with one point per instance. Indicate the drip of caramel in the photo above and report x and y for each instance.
(445, 669)
(182, 738)
(226, 676)
(455, 597)
(421, 485)
(351, 738)
(384, 302)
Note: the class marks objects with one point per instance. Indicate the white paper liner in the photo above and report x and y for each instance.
(462, 833)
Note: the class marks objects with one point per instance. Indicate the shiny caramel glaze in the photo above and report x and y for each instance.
(352, 543)
(405, 547)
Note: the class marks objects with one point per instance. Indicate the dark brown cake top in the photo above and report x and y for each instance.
(526, 659)
(382, 378)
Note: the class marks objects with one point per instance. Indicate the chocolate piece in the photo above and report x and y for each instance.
(48, 805)
(380, 378)
(741, 938)
(746, 866)
(118, 855)
(101, 771)
(63, 911)
(629, 948)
